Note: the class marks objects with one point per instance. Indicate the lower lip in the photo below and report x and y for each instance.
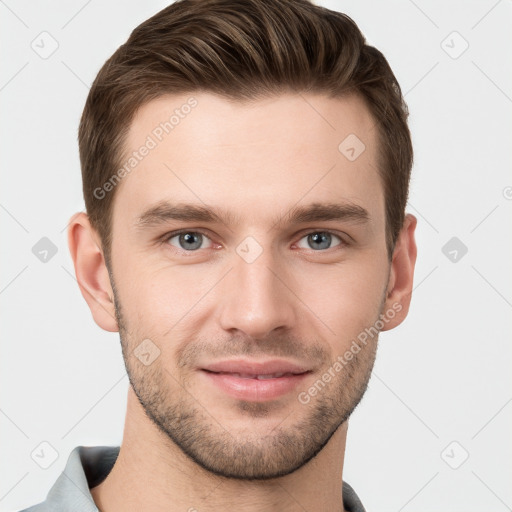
(255, 390)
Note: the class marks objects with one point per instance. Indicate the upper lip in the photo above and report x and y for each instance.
(248, 367)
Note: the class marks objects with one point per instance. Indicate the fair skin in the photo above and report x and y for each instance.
(205, 449)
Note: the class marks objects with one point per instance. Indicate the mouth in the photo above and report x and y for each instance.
(257, 376)
(255, 381)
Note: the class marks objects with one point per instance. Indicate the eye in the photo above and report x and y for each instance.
(192, 241)
(319, 240)
(189, 241)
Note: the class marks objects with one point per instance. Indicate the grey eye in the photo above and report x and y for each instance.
(320, 240)
(188, 241)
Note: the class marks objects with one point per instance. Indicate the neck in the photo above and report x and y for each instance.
(152, 473)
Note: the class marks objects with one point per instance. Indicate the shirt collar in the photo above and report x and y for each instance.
(88, 466)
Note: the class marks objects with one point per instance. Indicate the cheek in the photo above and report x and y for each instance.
(160, 301)
(347, 300)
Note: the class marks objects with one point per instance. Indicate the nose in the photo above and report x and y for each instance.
(257, 297)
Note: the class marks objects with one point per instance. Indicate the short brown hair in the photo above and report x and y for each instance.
(241, 50)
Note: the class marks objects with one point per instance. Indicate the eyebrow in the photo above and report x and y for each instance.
(165, 211)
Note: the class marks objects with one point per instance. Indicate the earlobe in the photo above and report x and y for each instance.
(401, 274)
(91, 271)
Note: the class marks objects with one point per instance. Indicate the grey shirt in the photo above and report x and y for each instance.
(88, 466)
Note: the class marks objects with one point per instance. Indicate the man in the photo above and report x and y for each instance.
(245, 171)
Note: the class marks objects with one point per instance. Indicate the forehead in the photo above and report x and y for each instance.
(256, 158)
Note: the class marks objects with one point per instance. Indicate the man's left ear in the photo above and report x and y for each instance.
(401, 273)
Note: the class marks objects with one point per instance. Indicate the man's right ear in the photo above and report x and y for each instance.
(91, 271)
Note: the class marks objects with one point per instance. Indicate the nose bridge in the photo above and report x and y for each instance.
(254, 298)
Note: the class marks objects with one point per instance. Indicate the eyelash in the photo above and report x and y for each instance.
(343, 242)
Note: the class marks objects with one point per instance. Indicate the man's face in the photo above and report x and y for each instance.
(258, 287)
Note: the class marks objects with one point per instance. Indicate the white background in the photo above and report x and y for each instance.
(442, 376)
